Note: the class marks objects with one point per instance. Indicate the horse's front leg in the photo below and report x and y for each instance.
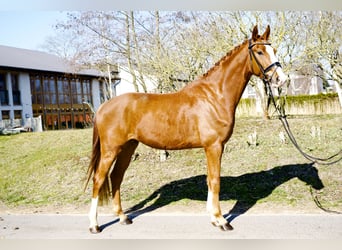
(214, 155)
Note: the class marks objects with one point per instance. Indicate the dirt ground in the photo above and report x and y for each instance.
(193, 207)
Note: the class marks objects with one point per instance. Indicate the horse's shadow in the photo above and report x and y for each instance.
(246, 189)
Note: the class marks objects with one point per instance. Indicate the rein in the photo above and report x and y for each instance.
(282, 116)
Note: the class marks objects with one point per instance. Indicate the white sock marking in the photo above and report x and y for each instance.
(93, 212)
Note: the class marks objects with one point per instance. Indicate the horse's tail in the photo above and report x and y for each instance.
(104, 192)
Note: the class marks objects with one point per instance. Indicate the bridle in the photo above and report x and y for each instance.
(263, 71)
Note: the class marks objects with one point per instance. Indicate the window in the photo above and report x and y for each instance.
(5, 114)
(86, 91)
(50, 95)
(63, 90)
(104, 95)
(17, 114)
(15, 89)
(36, 90)
(76, 90)
(3, 90)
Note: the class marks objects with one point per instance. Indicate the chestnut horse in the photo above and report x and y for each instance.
(201, 115)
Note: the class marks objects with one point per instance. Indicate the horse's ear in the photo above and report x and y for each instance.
(266, 35)
(255, 33)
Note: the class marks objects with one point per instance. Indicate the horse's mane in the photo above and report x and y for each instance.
(224, 58)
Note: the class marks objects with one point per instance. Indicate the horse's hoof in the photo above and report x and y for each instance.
(126, 221)
(225, 227)
(95, 230)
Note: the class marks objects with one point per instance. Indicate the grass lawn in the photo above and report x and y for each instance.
(45, 172)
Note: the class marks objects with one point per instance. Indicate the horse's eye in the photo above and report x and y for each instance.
(259, 52)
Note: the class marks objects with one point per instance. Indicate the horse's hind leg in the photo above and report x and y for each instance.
(99, 179)
(122, 163)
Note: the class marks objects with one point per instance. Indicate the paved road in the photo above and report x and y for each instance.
(171, 226)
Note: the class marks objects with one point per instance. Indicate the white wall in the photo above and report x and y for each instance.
(25, 93)
(96, 93)
(126, 85)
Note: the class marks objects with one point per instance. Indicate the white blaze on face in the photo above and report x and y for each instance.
(281, 76)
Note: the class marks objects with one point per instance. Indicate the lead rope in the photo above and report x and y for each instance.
(282, 117)
(318, 203)
(321, 161)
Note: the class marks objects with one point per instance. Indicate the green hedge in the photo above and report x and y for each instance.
(300, 99)
(297, 105)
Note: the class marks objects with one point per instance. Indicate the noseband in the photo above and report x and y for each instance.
(263, 71)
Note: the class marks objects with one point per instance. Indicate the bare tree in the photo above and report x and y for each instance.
(173, 48)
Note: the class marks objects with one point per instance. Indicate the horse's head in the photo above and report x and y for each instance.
(264, 61)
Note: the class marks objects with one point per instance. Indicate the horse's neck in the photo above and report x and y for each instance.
(231, 76)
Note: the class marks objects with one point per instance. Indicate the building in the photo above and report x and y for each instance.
(304, 85)
(125, 84)
(34, 83)
(298, 84)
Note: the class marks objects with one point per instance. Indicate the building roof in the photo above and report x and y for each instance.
(11, 57)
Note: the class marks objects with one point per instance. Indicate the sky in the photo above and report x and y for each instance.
(28, 29)
(26, 24)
